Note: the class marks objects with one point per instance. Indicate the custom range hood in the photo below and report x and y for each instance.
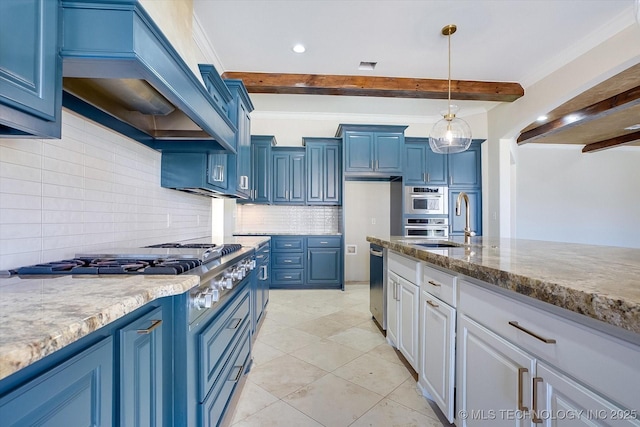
(120, 70)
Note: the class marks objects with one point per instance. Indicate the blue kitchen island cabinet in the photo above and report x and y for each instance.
(324, 170)
(76, 392)
(288, 176)
(30, 69)
(372, 150)
(141, 371)
(421, 165)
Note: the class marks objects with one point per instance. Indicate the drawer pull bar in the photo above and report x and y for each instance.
(324, 243)
(238, 375)
(287, 245)
(287, 260)
(533, 334)
(432, 304)
(235, 325)
(520, 384)
(154, 324)
(288, 277)
(535, 419)
(431, 282)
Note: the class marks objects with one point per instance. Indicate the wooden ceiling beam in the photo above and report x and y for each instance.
(604, 108)
(612, 142)
(395, 87)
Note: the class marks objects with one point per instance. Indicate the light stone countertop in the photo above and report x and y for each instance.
(39, 316)
(601, 282)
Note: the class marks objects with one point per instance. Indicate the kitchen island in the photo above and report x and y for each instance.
(600, 282)
(551, 329)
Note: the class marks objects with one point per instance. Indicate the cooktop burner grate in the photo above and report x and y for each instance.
(184, 245)
(112, 266)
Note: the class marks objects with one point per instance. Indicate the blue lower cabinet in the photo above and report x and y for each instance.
(224, 348)
(141, 371)
(215, 407)
(306, 262)
(323, 266)
(77, 392)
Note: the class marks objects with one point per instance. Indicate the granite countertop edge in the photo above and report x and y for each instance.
(20, 353)
(613, 310)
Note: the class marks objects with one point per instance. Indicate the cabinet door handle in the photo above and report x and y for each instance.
(521, 407)
(234, 323)
(431, 282)
(432, 304)
(533, 334)
(238, 374)
(450, 179)
(535, 419)
(154, 324)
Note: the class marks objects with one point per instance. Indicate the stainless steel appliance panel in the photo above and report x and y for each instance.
(426, 200)
(377, 285)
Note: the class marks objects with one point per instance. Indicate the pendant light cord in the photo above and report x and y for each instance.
(449, 78)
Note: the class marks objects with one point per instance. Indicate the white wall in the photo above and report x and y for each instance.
(366, 206)
(92, 189)
(567, 176)
(565, 195)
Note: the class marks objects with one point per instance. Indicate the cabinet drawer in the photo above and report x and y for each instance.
(324, 242)
(288, 244)
(439, 284)
(216, 404)
(601, 362)
(217, 341)
(288, 277)
(408, 268)
(288, 261)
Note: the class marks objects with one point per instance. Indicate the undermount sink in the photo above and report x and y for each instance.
(438, 245)
(425, 243)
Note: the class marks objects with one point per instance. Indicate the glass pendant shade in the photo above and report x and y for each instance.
(450, 135)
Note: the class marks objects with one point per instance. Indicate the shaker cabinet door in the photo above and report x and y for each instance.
(30, 68)
(77, 392)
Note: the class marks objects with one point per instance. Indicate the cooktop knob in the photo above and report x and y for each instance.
(203, 300)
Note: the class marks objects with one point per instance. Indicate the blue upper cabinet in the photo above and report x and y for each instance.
(239, 112)
(261, 182)
(465, 167)
(196, 173)
(30, 69)
(288, 176)
(372, 150)
(421, 165)
(324, 170)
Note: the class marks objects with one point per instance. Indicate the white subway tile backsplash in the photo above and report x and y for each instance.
(92, 190)
(288, 219)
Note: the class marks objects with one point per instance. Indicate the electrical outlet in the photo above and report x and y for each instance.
(352, 249)
(168, 220)
(373, 221)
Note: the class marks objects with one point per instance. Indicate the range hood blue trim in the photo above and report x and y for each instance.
(116, 39)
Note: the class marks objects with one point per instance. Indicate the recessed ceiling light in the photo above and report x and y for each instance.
(367, 66)
(542, 118)
(572, 118)
(299, 48)
(633, 127)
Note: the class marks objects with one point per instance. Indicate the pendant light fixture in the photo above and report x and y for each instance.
(450, 134)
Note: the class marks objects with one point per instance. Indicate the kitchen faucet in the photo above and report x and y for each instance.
(467, 228)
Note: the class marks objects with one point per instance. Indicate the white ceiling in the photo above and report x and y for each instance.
(497, 40)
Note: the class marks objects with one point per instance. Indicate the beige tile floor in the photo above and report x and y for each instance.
(319, 360)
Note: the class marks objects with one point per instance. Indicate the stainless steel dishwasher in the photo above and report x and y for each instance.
(378, 285)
